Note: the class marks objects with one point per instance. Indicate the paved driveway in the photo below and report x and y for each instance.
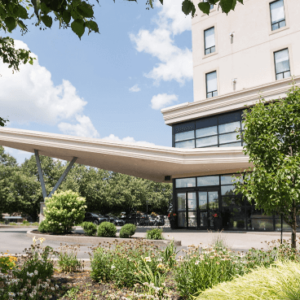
(15, 239)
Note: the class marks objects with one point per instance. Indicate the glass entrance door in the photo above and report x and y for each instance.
(187, 209)
(208, 206)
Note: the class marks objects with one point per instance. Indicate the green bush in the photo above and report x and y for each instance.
(107, 229)
(67, 259)
(63, 210)
(155, 234)
(89, 228)
(25, 223)
(43, 227)
(127, 231)
(280, 281)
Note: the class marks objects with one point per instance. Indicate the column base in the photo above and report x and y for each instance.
(41, 215)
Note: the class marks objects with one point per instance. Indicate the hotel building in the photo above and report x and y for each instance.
(252, 51)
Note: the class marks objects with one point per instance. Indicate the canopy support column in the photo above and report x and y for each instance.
(61, 179)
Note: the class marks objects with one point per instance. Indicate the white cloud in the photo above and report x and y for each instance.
(31, 96)
(175, 63)
(135, 88)
(162, 100)
(83, 128)
(127, 140)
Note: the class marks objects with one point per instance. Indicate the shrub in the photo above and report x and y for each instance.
(280, 281)
(43, 227)
(155, 234)
(67, 259)
(89, 228)
(107, 229)
(25, 223)
(63, 210)
(127, 231)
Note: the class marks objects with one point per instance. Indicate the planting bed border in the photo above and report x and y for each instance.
(18, 226)
(96, 240)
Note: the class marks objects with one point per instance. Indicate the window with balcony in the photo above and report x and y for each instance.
(209, 41)
(211, 85)
(277, 14)
(282, 64)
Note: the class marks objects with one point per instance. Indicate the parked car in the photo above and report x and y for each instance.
(94, 218)
(115, 220)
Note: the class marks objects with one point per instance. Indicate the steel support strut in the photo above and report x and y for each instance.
(38, 162)
(61, 179)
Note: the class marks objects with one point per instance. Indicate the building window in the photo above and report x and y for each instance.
(211, 85)
(218, 131)
(209, 41)
(277, 14)
(282, 64)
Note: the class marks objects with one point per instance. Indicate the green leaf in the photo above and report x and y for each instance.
(45, 9)
(22, 12)
(161, 1)
(86, 10)
(204, 7)
(10, 23)
(21, 24)
(188, 7)
(78, 27)
(66, 16)
(227, 5)
(93, 26)
(47, 20)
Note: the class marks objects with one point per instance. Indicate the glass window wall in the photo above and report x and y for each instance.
(219, 131)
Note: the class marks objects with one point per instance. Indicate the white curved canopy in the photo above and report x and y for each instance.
(147, 162)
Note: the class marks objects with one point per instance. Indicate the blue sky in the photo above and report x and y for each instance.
(110, 85)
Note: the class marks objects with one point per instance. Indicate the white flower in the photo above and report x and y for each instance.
(147, 259)
(36, 272)
(197, 262)
(113, 267)
(11, 294)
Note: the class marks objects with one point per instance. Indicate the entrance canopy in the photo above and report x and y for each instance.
(154, 163)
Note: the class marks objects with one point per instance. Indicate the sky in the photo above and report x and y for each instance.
(110, 85)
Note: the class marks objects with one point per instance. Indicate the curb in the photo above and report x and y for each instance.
(17, 226)
(95, 240)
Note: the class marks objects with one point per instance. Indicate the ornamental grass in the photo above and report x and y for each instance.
(280, 281)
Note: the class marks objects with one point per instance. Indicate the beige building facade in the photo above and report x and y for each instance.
(250, 53)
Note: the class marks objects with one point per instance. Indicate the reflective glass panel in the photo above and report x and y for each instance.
(181, 201)
(184, 136)
(211, 82)
(185, 182)
(232, 201)
(229, 127)
(277, 11)
(192, 205)
(229, 179)
(213, 140)
(188, 144)
(233, 218)
(207, 180)
(238, 144)
(282, 63)
(209, 36)
(203, 219)
(227, 138)
(213, 200)
(227, 190)
(192, 219)
(202, 200)
(182, 219)
(206, 131)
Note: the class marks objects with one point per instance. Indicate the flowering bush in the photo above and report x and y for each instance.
(30, 277)
(64, 210)
(7, 263)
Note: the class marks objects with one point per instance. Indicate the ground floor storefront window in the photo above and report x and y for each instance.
(209, 202)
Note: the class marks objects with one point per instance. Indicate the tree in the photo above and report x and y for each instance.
(272, 136)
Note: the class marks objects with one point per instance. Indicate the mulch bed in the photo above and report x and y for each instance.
(80, 286)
